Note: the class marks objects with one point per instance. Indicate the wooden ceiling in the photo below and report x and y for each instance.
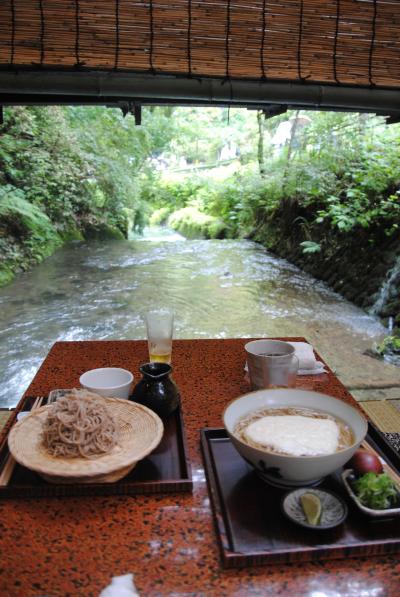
(352, 43)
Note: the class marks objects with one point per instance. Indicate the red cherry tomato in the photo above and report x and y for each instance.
(364, 462)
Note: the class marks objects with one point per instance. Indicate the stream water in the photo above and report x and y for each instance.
(217, 288)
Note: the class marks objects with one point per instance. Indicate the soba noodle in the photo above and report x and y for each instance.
(79, 425)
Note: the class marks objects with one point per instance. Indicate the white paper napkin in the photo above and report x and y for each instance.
(121, 586)
(308, 364)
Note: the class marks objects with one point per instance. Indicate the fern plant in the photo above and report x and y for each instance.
(32, 230)
(16, 209)
(310, 246)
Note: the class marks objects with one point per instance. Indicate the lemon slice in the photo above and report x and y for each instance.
(312, 507)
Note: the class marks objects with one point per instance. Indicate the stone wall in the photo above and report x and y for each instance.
(363, 265)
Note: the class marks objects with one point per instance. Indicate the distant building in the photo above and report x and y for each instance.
(284, 130)
(228, 152)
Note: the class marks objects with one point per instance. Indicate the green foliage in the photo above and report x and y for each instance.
(6, 275)
(344, 169)
(40, 186)
(192, 223)
(376, 491)
(389, 344)
(15, 208)
(118, 152)
(27, 234)
(200, 135)
(161, 194)
(39, 157)
(310, 247)
(68, 172)
(160, 216)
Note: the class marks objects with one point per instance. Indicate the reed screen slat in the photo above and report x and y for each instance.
(353, 42)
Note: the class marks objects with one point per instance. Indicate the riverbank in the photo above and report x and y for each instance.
(51, 189)
(22, 250)
(361, 265)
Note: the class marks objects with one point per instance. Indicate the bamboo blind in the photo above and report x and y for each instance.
(349, 42)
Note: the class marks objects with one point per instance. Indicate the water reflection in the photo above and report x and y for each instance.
(217, 288)
(353, 589)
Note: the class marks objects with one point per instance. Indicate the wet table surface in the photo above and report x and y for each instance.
(73, 546)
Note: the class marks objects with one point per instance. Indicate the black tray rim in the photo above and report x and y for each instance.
(122, 487)
(233, 559)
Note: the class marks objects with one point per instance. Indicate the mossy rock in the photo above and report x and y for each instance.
(193, 223)
(102, 232)
(72, 234)
(160, 216)
(6, 276)
(217, 229)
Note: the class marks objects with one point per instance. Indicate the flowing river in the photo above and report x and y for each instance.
(217, 288)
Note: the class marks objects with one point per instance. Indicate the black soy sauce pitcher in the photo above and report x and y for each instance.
(156, 390)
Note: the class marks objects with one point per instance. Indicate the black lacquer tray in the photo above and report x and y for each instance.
(252, 529)
(166, 470)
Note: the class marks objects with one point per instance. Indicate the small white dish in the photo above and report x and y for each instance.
(113, 382)
(334, 509)
(386, 513)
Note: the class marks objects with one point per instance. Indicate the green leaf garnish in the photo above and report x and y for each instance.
(376, 491)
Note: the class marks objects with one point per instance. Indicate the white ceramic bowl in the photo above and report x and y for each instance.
(285, 470)
(108, 381)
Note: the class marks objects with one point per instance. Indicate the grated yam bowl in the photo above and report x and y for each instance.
(141, 431)
(285, 470)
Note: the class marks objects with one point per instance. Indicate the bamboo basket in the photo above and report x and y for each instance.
(141, 431)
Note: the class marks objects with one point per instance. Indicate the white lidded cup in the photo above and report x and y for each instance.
(108, 381)
(271, 363)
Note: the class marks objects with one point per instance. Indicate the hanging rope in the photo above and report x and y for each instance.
(152, 69)
(116, 59)
(228, 32)
(299, 42)
(189, 37)
(335, 41)
(12, 49)
(41, 32)
(371, 48)
(77, 32)
(264, 24)
(227, 78)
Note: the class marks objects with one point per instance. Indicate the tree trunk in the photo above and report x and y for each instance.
(292, 137)
(260, 146)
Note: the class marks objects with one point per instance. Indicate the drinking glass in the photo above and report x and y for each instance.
(160, 325)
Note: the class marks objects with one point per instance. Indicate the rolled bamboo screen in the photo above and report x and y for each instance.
(349, 42)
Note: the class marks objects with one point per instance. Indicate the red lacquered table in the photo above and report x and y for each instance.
(73, 546)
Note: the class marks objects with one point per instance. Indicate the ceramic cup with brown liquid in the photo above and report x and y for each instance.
(271, 364)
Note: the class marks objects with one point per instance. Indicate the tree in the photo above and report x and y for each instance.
(260, 145)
